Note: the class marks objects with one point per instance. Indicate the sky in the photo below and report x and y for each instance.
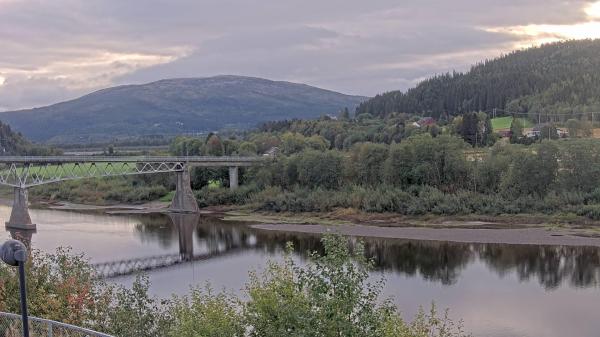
(55, 50)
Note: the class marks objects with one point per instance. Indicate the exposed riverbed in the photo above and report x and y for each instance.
(539, 285)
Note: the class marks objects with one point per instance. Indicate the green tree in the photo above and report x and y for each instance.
(345, 114)
(204, 314)
(423, 160)
(247, 149)
(549, 131)
(470, 129)
(331, 296)
(532, 173)
(214, 146)
(320, 169)
(317, 142)
(292, 143)
(366, 162)
(516, 131)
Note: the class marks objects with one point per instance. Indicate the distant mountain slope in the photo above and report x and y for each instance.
(554, 78)
(13, 143)
(177, 106)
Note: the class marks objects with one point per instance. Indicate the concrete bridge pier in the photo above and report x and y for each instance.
(19, 216)
(185, 224)
(233, 177)
(184, 200)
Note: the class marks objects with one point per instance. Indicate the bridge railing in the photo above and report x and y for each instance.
(11, 326)
(132, 159)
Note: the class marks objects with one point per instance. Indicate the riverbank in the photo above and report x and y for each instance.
(570, 230)
(523, 236)
(514, 229)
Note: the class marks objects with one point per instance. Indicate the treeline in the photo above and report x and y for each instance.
(13, 143)
(556, 78)
(425, 174)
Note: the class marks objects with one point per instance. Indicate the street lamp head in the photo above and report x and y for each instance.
(12, 252)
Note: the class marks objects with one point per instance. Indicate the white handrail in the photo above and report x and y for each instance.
(51, 324)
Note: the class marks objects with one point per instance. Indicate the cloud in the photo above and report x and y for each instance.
(56, 50)
(587, 26)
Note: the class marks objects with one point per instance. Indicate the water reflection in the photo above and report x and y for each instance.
(197, 236)
(551, 265)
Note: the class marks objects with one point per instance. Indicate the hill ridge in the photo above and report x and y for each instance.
(178, 105)
(554, 77)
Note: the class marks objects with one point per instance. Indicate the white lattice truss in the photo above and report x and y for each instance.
(32, 174)
(132, 266)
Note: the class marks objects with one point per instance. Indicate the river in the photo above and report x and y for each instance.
(497, 289)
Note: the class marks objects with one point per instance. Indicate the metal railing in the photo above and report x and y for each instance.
(128, 159)
(11, 326)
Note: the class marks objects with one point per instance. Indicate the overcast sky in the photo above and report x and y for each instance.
(55, 50)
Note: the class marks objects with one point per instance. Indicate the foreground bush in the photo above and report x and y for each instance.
(328, 296)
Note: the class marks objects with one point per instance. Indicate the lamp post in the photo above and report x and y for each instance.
(14, 253)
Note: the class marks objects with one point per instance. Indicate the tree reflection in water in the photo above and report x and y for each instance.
(551, 266)
(436, 261)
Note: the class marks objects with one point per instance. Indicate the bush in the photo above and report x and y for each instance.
(590, 211)
(331, 295)
(224, 196)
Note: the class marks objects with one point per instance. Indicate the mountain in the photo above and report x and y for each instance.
(13, 143)
(175, 106)
(558, 78)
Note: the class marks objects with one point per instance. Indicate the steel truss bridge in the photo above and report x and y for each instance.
(134, 265)
(22, 173)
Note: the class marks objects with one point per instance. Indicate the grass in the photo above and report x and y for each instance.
(214, 184)
(505, 122)
(167, 197)
(53, 170)
(284, 218)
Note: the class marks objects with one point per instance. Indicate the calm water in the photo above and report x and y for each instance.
(499, 290)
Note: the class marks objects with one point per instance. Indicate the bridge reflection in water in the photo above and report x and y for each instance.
(202, 237)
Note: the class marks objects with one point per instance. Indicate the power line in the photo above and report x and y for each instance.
(496, 110)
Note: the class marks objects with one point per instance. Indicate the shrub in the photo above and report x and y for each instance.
(590, 211)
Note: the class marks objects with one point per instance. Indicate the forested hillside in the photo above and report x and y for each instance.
(558, 78)
(176, 106)
(13, 143)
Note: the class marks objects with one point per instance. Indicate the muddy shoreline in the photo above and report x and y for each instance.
(520, 236)
(525, 230)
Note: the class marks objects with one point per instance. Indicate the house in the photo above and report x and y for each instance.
(426, 121)
(504, 133)
(533, 133)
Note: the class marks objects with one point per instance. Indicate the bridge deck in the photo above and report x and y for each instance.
(190, 160)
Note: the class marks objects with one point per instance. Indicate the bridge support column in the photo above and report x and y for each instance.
(19, 216)
(185, 223)
(233, 177)
(184, 200)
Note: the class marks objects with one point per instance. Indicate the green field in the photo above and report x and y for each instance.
(505, 122)
(48, 172)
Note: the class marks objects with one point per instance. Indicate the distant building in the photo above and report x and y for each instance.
(272, 152)
(504, 133)
(533, 133)
(426, 121)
